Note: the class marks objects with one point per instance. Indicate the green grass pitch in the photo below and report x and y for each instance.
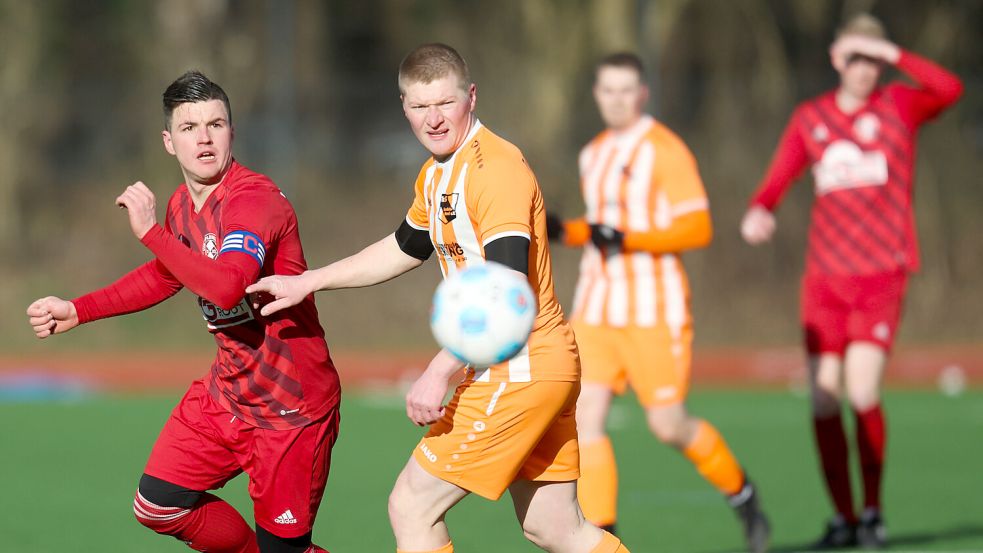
(69, 471)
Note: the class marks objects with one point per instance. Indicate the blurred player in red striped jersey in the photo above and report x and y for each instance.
(860, 141)
(269, 405)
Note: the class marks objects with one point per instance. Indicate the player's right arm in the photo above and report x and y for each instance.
(791, 158)
(398, 253)
(379, 262)
(139, 289)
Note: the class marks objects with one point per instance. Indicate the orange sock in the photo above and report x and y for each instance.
(610, 544)
(449, 548)
(709, 453)
(597, 488)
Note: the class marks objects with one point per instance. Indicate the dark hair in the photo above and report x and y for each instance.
(429, 62)
(622, 59)
(193, 86)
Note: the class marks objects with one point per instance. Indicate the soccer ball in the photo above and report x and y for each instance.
(483, 314)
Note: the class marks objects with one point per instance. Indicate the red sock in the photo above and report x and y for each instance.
(211, 525)
(833, 452)
(871, 436)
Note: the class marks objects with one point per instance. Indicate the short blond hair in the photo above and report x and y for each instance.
(863, 24)
(429, 62)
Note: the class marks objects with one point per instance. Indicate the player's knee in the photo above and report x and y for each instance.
(162, 506)
(589, 430)
(825, 402)
(863, 400)
(547, 532)
(403, 514)
(537, 532)
(592, 412)
(668, 430)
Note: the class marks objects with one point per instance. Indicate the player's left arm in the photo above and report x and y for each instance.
(506, 199)
(222, 281)
(937, 88)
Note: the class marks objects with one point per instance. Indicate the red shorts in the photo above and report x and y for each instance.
(837, 310)
(202, 446)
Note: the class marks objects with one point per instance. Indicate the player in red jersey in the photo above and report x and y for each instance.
(860, 141)
(269, 405)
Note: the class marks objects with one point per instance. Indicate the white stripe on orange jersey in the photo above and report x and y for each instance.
(617, 304)
(646, 313)
(639, 186)
(464, 230)
(494, 399)
(625, 146)
(690, 206)
(494, 237)
(663, 211)
(592, 175)
(677, 310)
(519, 369)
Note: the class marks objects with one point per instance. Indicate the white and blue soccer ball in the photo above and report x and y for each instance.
(483, 314)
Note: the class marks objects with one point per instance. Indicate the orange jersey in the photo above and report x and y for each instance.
(639, 181)
(483, 192)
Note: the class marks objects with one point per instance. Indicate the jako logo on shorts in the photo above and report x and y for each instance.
(430, 455)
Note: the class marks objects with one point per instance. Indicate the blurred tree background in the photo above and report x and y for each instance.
(315, 105)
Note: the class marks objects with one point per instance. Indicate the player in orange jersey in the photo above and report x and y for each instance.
(510, 426)
(645, 205)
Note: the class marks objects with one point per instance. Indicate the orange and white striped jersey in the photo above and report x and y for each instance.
(637, 180)
(483, 192)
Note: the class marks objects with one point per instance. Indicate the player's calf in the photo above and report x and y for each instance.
(172, 510)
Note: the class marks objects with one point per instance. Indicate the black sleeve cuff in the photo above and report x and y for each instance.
(511, 251)
(414, 242)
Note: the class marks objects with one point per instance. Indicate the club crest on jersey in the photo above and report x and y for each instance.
(866, 127)
(448, 207)
(209, 246)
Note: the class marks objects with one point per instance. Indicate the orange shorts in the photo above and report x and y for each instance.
(652, 360)
(493, 433)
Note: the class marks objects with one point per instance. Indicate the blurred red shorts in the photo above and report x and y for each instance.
(839, 309)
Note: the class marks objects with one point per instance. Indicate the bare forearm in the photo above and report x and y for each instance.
(375, 264)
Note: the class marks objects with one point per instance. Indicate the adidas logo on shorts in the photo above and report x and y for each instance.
(286, 518)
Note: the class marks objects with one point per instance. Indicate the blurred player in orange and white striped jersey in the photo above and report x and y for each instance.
(645, 205)
(511, 426)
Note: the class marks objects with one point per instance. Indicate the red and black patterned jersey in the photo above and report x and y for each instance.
(862, 165)
(271, 372)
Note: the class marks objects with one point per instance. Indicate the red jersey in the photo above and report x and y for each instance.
(271, 372)
(862, 164)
